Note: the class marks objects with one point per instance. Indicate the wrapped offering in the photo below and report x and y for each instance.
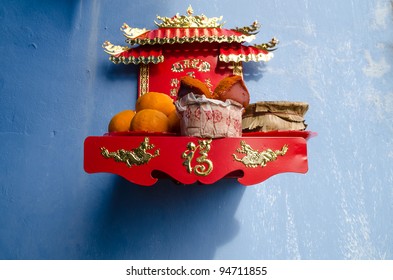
(209, 118)
(274, 115)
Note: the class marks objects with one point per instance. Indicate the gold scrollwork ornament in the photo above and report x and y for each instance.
(206, 165)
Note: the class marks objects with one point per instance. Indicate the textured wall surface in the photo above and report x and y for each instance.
(58, 87)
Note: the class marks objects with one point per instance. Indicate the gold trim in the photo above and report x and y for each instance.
(189, 21)
(137, 60)
(254, 158)
(194, 39)
(245, 58)
(143, 79)
(137, 156)
(206, 165)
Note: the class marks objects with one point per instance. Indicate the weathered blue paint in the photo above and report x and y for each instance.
(58, 87)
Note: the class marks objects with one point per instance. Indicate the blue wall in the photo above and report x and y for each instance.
(58, 87)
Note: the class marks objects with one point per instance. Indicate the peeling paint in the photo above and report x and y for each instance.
(309, 28)
(383, 104)
(375, 69)
(381, 15)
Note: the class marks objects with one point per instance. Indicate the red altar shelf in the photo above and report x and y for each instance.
(200, 47)
(144, 158)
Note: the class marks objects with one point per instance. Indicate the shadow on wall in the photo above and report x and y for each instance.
(253, 71)
(165, 221)
(119, 72)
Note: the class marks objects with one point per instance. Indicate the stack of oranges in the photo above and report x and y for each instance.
(154, 112)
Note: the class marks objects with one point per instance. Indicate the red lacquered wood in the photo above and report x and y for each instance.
(221, 157)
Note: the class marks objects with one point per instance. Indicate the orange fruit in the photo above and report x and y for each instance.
(155, 100)
(121, 121)
(174, 122)
(150, 120)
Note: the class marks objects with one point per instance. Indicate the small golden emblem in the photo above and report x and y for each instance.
(206, 165)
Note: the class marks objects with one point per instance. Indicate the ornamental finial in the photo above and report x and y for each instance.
(190, 11)
(271, 46)
(189, 21)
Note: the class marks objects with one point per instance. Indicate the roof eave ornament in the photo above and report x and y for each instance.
(132, 33)
(270, 46)
(253, 29)
(189, 21)
(114, 50)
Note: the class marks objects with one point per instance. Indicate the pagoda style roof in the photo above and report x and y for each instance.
(188, 35)
(136, 55)
(241, 53)
(145, 45)
(227, 53)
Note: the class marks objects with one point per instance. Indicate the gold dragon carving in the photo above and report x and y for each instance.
(137, 156)
(254, 158)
